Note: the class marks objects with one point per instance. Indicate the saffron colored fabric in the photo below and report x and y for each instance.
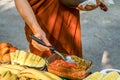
(61, 25)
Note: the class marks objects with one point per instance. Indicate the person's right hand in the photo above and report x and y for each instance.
(42, 36)
(27, 13)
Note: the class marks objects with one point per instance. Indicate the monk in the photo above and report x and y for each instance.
(55, 22)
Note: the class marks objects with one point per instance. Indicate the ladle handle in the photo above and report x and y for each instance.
(41, 42)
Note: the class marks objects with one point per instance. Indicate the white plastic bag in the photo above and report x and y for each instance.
(107, 2)
(93, 2)
(88, 2)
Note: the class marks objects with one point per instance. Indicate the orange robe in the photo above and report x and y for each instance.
(61, 25)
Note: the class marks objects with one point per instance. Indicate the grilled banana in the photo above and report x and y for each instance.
(16, 67)
(4, 69)
(13, 77)
(40, 75)
(27, 75)
(6, 75)
(23, 78)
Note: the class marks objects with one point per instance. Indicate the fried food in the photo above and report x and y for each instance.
(6, 58)
(5, 49)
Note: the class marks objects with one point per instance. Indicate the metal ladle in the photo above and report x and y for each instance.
(50, 47)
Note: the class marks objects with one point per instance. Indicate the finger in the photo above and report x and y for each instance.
(44, 39)
(39, 46)
(77, 8)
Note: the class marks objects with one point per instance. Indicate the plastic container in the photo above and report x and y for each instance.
(63, 70)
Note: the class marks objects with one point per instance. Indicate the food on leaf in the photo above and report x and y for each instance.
(75, 71)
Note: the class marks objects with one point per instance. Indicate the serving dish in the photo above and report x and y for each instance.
(75, 71)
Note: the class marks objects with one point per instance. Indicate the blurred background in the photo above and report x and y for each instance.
(100, 33)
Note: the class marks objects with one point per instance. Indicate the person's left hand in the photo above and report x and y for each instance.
(91, 7)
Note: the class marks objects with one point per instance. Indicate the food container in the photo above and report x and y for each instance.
(75, 71)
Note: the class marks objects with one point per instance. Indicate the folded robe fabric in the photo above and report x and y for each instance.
(61, 25)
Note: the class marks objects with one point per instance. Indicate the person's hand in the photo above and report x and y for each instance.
(88, 7)
(103, 7)
(42, 36)
(91, 7)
